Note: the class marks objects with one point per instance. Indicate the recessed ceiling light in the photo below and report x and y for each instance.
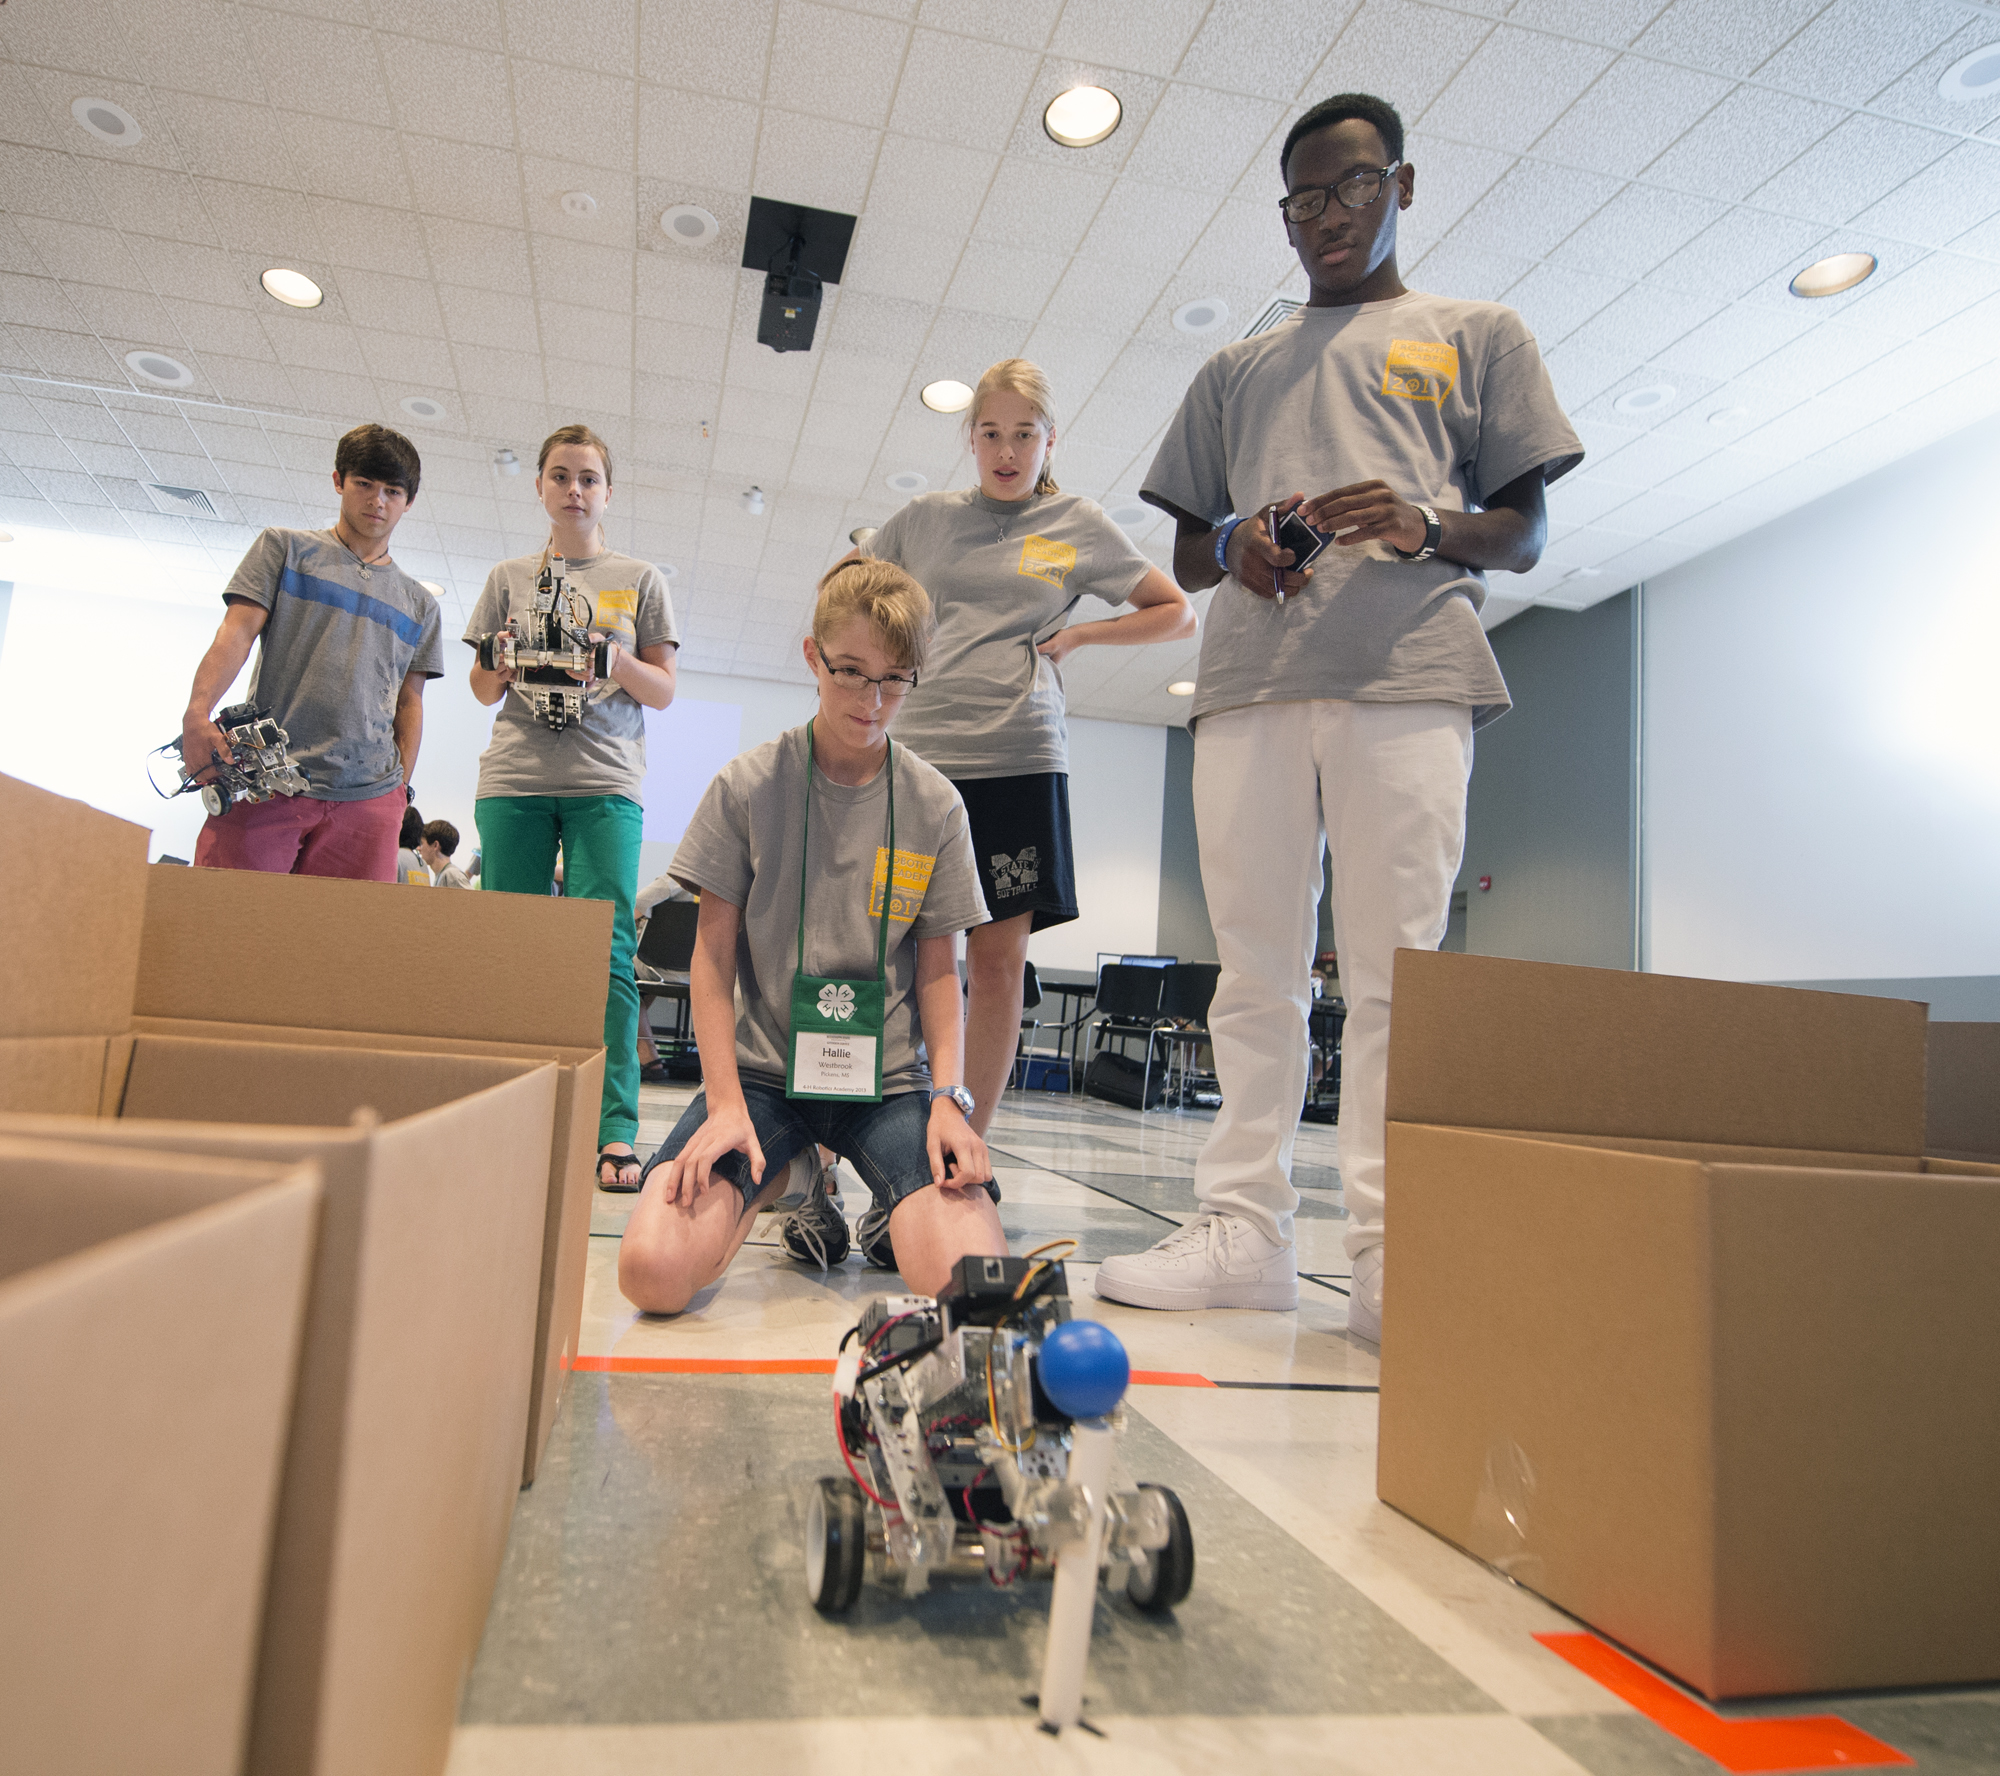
(1083, 116)
(432, 587)
(947, 396)
(107, 122)
(907, 481)
(1972, 77)
(1649, 399)
(1181, 687)
(293, 288)
(6, 536)
(1728, 416)
(1203, 315)
(1130, 514)
(422, 407)
(689, 225)
(579, 204)
(860, 534)
(158, 367)
(667, 569)
(1831, 275)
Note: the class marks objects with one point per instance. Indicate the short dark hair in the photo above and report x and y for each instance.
(1338, 109)
(442, 834)
(377, 454)
(413, 829)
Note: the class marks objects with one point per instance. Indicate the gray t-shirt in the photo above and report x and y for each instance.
(1003, 576)
(605, 753)
(340, 639)
(1446, 401)
(745, 845)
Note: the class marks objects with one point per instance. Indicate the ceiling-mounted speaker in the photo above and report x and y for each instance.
(797, 249)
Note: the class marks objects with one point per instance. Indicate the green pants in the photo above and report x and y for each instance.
(599, 840)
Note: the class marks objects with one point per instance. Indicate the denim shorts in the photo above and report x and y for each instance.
(887, 1143)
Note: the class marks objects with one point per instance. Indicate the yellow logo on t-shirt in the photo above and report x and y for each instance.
(913, 877)
(1042, 558)
(617, 612)
(1420, 370)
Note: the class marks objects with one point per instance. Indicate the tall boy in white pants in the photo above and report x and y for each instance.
(1336, 703)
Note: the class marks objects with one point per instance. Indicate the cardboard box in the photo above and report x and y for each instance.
(1684, 1332)
(1962, 1091)
(404, 1458)
(325, 962)
(150, 1315)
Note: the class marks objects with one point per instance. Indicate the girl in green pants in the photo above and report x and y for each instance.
(577, 790)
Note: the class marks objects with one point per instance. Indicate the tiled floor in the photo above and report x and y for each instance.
(652, 1612)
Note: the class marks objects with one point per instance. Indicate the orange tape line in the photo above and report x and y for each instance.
(1804, 1742)
(1166, 1378)
(1169, 1378)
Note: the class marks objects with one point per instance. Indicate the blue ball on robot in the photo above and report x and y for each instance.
(1084, 1368)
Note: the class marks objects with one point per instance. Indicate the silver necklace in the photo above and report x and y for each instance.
(999, 529)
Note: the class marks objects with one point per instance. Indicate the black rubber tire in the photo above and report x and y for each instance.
(1164, 1577)
(600, 659)
(215, 798)
(483, 648)
(838, 1522)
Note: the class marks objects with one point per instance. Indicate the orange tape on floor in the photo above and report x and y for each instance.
(1166, 1378)
(1803, 1742)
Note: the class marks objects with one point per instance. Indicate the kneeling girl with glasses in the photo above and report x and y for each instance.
(835, 873)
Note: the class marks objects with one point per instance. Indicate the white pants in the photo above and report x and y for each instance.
(1382, 787)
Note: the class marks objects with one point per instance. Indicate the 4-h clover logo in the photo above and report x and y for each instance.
(836, 1001)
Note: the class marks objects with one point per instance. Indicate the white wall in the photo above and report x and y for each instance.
(1822, 735)
(1117, 779)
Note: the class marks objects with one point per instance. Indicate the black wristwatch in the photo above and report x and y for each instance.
(1433, 535)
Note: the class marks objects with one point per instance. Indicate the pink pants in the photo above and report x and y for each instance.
(301, 836)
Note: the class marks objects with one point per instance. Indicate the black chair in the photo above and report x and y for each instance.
(1184, 1000)
(1031, 1027)
(666, 948)
(1325, 1022)
(667, 943)
(1128, 1006)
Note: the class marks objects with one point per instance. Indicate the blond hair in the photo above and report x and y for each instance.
(1017, 376)
(895, 606)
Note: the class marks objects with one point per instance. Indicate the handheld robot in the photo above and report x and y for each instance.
(258, 766)
(548, 647)
(980, 1432)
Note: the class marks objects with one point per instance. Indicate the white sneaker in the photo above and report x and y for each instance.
(1214, 1261)
(1364, 1306)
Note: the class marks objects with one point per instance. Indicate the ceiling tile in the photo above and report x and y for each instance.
(962, 344)
(587, 335)
(590, 277)
(704, 47)
(1739, 251)
(1028, 23)
(69, 354)
(1046, 208)
(35, 182)
(1555, 300)
(364, 235)
(698, 139)
(227, 140)
(1450, 178)
(1853, 166)
(1915, 96)
(558, 31)
(1897, 377)
(1931, 291)
(1452, 268)
(1645, 320)
(477, 256)
(1395, 46)
(251, 381)
(465, 183)
(593, 387)
(85, 35)
(148, 201)
(1006, 280)
(1100, 298)
(1738, 337)
(1724, 34)
(957, 90)
(38, 302)
(314, 340)
(1147, 35)
(589, 114)
(408, 363)
(1203, 140)
(1636, 230)
(930, 184)
(443, 89)
(1527, 211)
(375, 300)
(671, 350)
(1649, 460)
(1856, 47)
(680, 286)
(321, 65)
(1233, 49)
(1597, 21)
(1244, 240)
(1953, 195)
(1630, 116)
(836, 64)
(1513, 89)
(890, 260)
(1813, 363)
(474, 23)
(809, 160)
(1751, 131)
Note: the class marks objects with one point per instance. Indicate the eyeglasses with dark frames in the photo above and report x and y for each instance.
(1355, 192)
(891, 685)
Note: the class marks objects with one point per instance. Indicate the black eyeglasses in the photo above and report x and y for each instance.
(892, 685)
(1355, 192)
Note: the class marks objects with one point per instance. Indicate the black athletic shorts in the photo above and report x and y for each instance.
(1020, 837)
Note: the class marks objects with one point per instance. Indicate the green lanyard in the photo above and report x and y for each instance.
(837, 1025)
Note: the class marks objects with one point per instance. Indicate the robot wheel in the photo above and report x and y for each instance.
(837, 1545)
(215, 799)
(1162, 1577)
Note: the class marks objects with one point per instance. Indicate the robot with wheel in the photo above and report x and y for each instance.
(980, 1433)
(258, 766)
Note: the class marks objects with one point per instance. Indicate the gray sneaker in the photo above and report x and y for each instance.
(871, 1233)
(817, 1233)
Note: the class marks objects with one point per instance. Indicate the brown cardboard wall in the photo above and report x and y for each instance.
(148, 1343)
(1962, 1090)
(1481, 1042)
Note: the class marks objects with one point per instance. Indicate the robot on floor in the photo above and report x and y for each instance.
(980, 1432)
(547, 646)
(258, 766)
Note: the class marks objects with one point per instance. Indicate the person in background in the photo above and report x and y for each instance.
(345, 641)
(798, 934)
(438, 841)
(410, 869)
(1005, 564)
(1336, 702)
(564, 806)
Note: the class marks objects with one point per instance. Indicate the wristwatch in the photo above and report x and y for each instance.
(1223, 532)
(1433, 535)
(958, 1095)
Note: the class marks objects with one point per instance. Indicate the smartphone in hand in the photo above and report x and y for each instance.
(1290, 531)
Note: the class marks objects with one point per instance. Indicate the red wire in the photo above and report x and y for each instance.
(840, 1437)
